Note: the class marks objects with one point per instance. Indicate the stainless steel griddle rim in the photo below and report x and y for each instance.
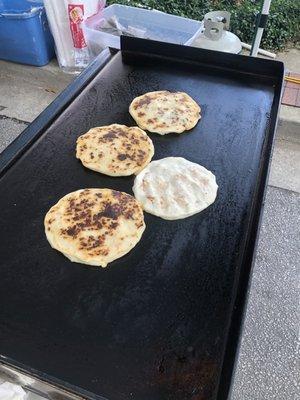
(34, 130)
(39, 383)
(272, 71)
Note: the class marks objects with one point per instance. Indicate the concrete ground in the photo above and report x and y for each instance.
(289, 124)
(26, 91)
(268, 362)
(268, 356)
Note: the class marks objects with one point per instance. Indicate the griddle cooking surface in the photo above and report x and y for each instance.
(151, 326)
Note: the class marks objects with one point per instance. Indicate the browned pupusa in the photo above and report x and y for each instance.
(95, 226)
(115, 150)
(165, 112)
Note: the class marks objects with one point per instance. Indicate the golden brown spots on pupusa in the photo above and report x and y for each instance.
(122, 157)
(108, 136)
(98, 220)
(144, 101)
(114, 146)
(84, 219)
(160, 125)
(91, 242)
(84, 192)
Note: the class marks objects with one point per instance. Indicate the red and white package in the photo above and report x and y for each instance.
(65, 19)
(76, 17)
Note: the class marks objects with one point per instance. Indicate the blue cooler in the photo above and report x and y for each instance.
(24, 32)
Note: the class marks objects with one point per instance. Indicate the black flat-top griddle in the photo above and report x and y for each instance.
(162, 322)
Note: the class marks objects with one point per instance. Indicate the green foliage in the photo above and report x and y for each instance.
(283, 25)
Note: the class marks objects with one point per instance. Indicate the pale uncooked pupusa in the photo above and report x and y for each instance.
(95, 226)
(174, 188)
(165, 112)
(115, 150)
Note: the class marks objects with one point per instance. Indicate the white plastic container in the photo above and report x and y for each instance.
(156, 24)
